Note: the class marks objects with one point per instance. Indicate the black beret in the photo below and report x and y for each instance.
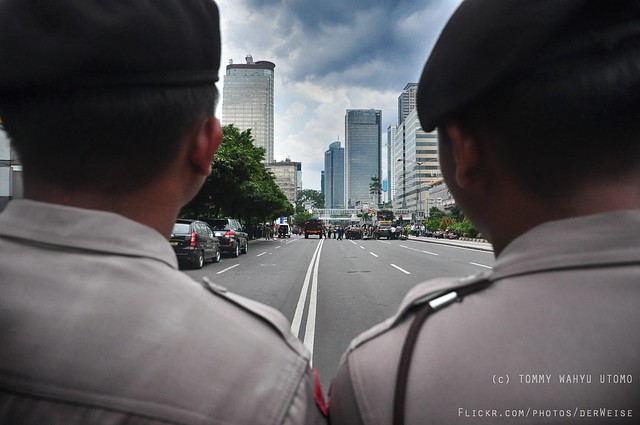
(488, 42)
(57, 44)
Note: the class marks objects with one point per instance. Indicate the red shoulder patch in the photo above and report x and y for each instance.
(318, 394)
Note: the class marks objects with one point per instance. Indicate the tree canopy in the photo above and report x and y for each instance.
(239, 185)
(314, 197)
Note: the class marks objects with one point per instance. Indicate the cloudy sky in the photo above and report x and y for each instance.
(331, 55)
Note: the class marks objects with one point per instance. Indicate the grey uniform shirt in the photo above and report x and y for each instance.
(98, 326)
(554, 339)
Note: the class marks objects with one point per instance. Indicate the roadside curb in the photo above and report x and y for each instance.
(463, 245)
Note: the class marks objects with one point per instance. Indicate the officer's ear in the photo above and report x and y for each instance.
(465, 150)
(206, 139)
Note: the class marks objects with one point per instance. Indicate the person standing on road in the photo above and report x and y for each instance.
(537, 105)
(110, 106)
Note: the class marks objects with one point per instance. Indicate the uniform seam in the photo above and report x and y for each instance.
(105, 407)
(288, 401)
(497, 275)
(361, 402)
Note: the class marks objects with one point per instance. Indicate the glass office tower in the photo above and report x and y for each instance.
(247, 101)
(363, 151)
(334, 176)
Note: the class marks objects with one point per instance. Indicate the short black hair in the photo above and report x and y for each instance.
(569, 120)
(111, 139)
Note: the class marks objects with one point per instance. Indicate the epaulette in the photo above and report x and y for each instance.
(423, 307)
(439, 293)
(267, 314)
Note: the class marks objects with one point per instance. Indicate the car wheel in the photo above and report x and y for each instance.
(246, 247)
(216, 258)
(199, 260)
(236, 253)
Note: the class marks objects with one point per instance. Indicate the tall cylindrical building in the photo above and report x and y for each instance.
(247, 101)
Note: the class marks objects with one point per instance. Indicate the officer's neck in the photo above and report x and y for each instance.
(152, 206)
(517, 214)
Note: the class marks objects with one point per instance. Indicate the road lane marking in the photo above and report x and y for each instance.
(352, 242)
(310, 331)
(480, 265)
(388, 243)
(401, 269)
(261, 254)
(361, 247)
(228, 268)
(419, 250)
(311, 277)
(278, 247)
(291, 241)
(373, 254)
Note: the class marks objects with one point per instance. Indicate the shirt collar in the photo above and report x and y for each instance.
(592, 240)
(84, 229)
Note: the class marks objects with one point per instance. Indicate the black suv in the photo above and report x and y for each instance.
(193, 242)
(233, 239)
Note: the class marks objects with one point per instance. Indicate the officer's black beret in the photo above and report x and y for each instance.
(489, 42)
(57, 44)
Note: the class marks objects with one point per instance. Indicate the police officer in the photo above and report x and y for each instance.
(537, 104)
(110, 106)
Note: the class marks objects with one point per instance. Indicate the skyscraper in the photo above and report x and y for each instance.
(363, 151)
(407, 101)
(334, 176)
(247, 101)
(416, 164)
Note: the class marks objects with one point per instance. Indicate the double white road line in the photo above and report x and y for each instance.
(311, 277)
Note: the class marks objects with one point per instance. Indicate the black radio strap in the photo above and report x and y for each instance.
(432, 304)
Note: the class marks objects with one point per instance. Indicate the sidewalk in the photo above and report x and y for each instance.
(471, 244)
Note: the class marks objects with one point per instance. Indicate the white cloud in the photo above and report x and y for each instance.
(329, 57)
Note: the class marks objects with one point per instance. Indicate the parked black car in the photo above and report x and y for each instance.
(194, 243)
(233, 239)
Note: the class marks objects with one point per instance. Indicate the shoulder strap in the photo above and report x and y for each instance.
(269, 315)
(425, 307)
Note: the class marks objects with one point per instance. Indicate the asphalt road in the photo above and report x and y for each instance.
(352, 286)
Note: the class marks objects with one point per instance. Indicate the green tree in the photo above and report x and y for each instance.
(239, 184)
(311, 196)
(301, 217)
(435, 216)
(465, 228)
(457, 213)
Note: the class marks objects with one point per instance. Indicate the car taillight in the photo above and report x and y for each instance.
(193, 239)
(229, 234)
